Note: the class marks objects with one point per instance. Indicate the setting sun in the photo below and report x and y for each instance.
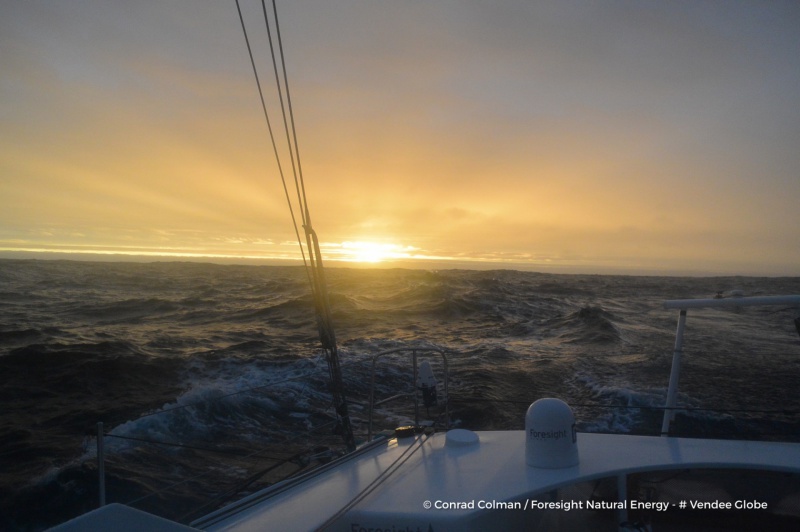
(372, 252)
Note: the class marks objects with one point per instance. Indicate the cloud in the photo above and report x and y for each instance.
(625, 132)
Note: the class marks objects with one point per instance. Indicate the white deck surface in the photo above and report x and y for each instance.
(494, 469)
(120, 518)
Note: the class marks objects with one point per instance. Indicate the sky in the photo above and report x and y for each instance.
(636, 137)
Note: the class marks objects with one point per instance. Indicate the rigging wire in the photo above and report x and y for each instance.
(225, 495)
(177, 445)
(302, 186)
(314, 268)
(380, 479)
(291, 145)
(269, 127)
(294, 146)
(212, 470)
(526, 402)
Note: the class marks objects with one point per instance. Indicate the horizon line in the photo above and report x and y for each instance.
(413, 263)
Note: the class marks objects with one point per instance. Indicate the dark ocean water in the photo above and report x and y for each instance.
(223, 363)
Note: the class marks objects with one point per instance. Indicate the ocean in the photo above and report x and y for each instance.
(204, 375)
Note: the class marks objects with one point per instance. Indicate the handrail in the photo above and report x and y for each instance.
(733, 301)
(101, 465)
(683, 305)
(414, 351)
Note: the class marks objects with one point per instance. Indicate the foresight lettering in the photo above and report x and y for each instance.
(547, 434)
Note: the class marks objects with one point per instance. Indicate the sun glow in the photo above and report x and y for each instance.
(370, 252)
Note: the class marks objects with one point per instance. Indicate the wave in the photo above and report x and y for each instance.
(589, 325)
(90, 380)
(625, 410)
(15, 338)
(124, 311)
(99, 342)
(248, 412)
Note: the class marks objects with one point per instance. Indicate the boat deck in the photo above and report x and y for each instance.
(423, 483)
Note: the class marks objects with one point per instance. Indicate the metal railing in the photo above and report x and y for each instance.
(414, 351)
(683, 305)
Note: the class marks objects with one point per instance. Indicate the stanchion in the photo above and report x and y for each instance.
(101, 468)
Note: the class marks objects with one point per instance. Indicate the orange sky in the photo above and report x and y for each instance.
(634, 137)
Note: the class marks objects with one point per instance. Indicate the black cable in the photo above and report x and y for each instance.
(595, 405)
(292, 146)
(269, 127)
(184, 446)
(239, 487)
